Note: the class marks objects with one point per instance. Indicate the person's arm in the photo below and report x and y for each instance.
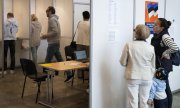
(124, 56)
(172, 46)
(153, 62)
(153, 90)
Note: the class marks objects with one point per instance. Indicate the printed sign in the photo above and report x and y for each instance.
(151, 14)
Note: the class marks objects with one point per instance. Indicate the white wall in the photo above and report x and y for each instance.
(107, 41)
(172, 10)
(78, 9)
(81, 1)
(64, 10)
(20, 10)
(1, 10)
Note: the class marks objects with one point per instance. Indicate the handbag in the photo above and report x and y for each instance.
(175, 57)
(73, 42)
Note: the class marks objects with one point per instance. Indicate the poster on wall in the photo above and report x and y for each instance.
(151, 14)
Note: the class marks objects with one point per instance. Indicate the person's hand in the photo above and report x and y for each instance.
(43, 36)
(150, 102)
(165, 55)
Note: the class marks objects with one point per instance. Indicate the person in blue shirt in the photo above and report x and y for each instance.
(157, 94)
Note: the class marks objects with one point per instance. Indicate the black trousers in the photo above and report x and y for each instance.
(9, 44)
(161, 103)
(169, 94)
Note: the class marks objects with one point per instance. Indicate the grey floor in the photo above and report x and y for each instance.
(65, 96)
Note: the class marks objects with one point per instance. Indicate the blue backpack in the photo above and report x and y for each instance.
(175, 57)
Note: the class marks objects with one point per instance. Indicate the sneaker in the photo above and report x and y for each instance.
(68, 78)
(11, 71)
(56, 73)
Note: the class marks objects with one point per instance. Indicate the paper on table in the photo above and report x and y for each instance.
(74, 64)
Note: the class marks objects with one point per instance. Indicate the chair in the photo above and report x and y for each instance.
(70, 55)
(29, 70)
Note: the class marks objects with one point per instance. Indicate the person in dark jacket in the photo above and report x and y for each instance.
(164, 46)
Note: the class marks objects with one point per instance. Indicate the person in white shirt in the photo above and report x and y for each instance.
(82, 38)
(10, 30)
(138, 57)
(83, 33)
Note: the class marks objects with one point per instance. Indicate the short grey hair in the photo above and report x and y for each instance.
(142, 32)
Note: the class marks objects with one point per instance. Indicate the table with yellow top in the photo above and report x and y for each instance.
(59, 66)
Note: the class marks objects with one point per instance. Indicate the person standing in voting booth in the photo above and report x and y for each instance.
(139, 59)
(35, 36)
(164, 46)
(82, 38)
(10, 30)
(53, 36)
(83, 33)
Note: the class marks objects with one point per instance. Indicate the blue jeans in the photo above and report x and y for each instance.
(53, 50)
(34, 53)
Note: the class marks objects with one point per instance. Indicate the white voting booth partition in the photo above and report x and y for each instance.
(1, 31)
(21, 13)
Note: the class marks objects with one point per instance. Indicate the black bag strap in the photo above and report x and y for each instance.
(75, 31)
(159, 60)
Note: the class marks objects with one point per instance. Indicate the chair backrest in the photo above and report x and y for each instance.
(69, 53)
(28, 67)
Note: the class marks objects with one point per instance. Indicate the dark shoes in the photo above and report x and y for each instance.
(56, 73)
(68, 78)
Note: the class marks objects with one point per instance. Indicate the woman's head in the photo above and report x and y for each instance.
(141, 32)
(33, 17)
(161, 24)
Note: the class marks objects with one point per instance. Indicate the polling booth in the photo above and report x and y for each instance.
(22, 10)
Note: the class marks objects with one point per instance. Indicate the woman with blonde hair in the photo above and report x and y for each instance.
(139, 59)
(35, 36)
